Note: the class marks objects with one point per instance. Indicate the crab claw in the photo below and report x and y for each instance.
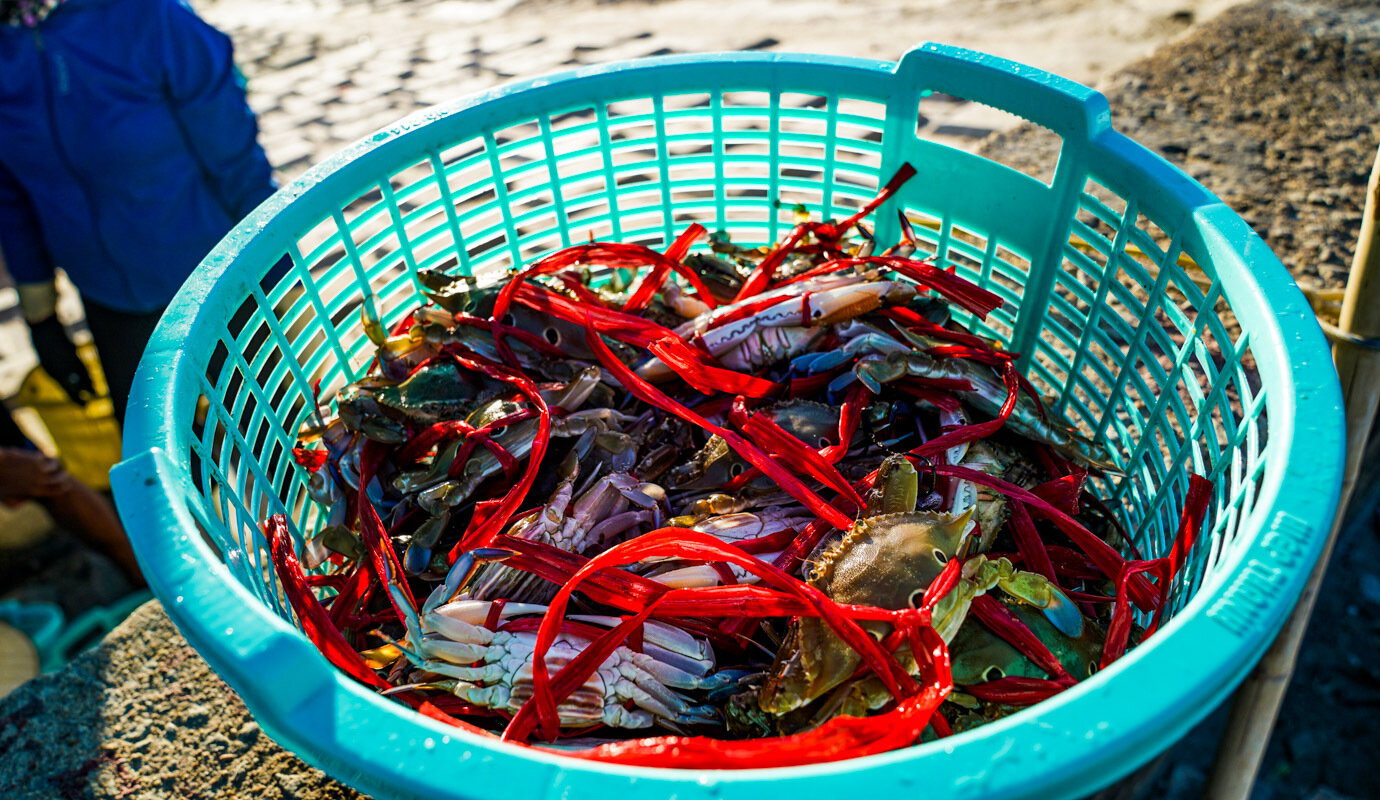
(417, 557)
(846, 302)
(372, 325)
(1063, 614)
(725, 679)
(1038, 591)
(807, 364)
(494, 668)
(461, 573)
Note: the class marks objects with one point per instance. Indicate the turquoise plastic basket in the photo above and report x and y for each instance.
(1156, 318)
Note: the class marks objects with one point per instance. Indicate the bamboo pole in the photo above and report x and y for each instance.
(1258, 700)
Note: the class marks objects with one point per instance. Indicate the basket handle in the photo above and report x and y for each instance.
(1070, 109)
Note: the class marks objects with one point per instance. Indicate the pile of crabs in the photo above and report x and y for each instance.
(741, 507)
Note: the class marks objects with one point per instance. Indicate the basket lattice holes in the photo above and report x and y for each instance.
(1137, 348)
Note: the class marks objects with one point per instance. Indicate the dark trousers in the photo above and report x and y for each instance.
(120, 338)
(10, 435)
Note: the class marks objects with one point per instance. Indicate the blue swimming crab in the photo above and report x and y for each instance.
(776, 331)
(732, 527)
(888, 559)
(880, 359)
(978, 655)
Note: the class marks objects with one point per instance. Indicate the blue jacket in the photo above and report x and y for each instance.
(127, 149)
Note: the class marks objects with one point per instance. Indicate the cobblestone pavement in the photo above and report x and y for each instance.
(323, 73)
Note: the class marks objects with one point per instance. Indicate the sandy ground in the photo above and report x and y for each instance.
(1272, 105)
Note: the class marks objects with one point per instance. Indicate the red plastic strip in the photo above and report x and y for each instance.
(1063, 493)
(1191, 521)
(978, 430)
(775, 440)
(687, 543)
(311, 460)
(310, 614)
(577, 287)
(480, 533)
(1031, 545)
(380, 556)
(323, 633)
(1015, 691)
(1119, 631)
(651, 283)
(750, 452)
(761, 275)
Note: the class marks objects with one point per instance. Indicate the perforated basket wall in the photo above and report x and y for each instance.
(1150, 313)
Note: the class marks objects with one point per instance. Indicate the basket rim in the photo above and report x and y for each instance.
(1219, 633)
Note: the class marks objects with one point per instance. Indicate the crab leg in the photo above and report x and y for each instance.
(837, 739)
(323, 632)
(687, 361)
(735, 312)
(802, 308)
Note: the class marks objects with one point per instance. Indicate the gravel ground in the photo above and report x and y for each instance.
(142, 716)
(1272, 105)
(1273, 108)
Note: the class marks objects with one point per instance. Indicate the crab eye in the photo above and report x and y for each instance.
(993, 674)
(552, 335)
(734, 470)
(940, 557)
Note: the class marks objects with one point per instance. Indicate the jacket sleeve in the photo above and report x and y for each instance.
(209, 102)
(22, 249)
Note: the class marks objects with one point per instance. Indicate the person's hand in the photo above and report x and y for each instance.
(30, 475)
(59, 358)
